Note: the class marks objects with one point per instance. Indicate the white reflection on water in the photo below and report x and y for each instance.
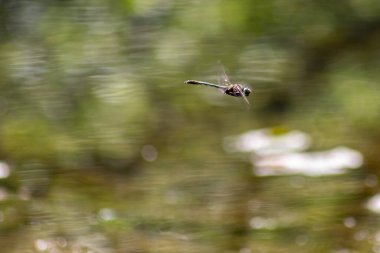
(245, 250)
(264, 142)
(41, 245)
(4, 170)
(279, 154)
(149, 153)
(263, 223)
(330, 162)
(349, 222)
(107, 214)
(373, 204)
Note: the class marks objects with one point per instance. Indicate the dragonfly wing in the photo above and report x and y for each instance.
(223, 90)
(223, 77)
(245, 98)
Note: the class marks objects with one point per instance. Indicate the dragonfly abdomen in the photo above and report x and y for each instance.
(236, 90)
(195, 82)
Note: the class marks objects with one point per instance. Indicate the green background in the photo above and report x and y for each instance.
(86, 85)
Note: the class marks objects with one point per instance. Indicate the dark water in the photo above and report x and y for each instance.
(103, 147)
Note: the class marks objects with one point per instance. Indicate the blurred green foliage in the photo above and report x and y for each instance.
(85, 84)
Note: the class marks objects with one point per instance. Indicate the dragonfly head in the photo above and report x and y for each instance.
(247, 91)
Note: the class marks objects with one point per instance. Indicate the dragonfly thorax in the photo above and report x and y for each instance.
(237, 90)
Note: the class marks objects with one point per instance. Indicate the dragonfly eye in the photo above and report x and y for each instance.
(246, 92)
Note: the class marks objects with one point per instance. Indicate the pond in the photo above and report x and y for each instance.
(104, 148)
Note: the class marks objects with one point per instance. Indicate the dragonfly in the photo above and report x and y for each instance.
(227, 87)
